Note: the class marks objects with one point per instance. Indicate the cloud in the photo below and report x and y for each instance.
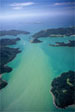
(64, 3)
(17, 6)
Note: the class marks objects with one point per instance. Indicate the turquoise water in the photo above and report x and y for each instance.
(34, 69)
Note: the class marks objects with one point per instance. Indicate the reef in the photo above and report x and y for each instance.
(55, 32)
(7, 54)
(12, 32)
(71, 43)
(63, 89)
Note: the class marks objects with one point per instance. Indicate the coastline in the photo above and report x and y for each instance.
(8, 54)
(59, 84)
(54, 100)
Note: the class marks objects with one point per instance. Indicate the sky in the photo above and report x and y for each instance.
(35, 8)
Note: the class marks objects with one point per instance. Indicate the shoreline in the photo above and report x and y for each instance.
(0, 76)
(57, 98)
(55, 104)
(54, 100)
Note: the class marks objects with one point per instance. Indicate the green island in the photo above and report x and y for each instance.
(71, 43)
(63, 89)
(55, 32)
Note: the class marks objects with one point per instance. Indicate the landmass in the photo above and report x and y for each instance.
(71, 43)
(63, 89)
(6, 42)
(55, 32)
(7, 54)
(3, 84)
(35, 41)
(12, 32)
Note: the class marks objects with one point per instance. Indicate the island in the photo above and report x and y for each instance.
(63, 89)
(7, 54)
(55, 32)
(71, 43)
(35, 41)
(13, 32)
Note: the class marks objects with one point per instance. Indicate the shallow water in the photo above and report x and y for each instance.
(34, 69)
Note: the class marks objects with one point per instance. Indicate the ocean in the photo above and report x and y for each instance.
(35, 67)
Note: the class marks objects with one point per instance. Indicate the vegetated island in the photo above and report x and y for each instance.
(55, 32)
(13, 32)
(35, 41)
(71, 43)
(7, 54)
(63, 89)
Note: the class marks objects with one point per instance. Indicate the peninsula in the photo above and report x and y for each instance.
(6, 42)
(55, 32)
(13, 32)
(7, 54)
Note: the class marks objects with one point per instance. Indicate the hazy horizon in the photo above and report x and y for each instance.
(20, 13)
